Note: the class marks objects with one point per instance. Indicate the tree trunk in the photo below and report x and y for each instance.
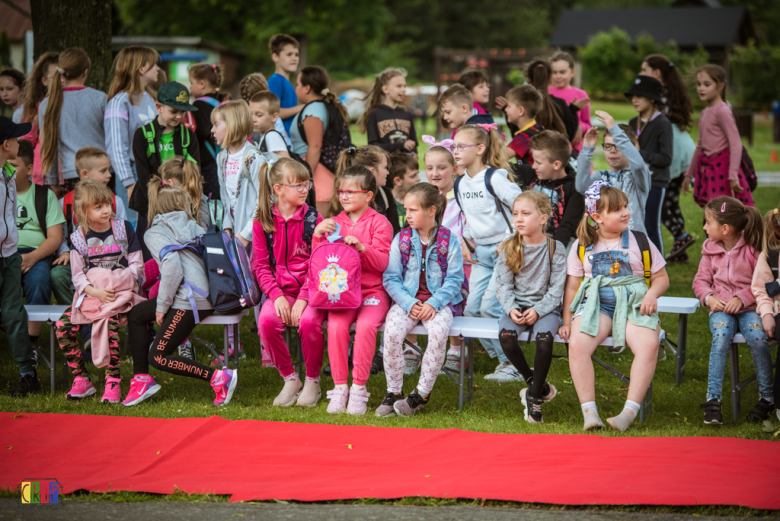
(76, 23)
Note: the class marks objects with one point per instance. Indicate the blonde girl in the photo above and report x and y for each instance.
(70, 118)
(131, 104)
(172, 224)
(35, 91)
(612, 263)
(186, 174)
(113, 288)
(205, 81)
(530, 276)
(283, 220)
(388, 123)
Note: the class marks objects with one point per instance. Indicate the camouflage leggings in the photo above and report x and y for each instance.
(66, 336)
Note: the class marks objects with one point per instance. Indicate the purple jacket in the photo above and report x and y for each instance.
(726, 274)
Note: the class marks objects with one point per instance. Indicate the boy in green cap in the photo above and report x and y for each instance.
(159, 140)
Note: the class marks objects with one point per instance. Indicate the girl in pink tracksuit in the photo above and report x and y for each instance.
(371, 234)
(286, 223)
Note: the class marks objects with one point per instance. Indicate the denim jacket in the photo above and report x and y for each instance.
(403, 288)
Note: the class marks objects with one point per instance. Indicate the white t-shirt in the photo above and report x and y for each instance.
(232, 172)
(274, 142)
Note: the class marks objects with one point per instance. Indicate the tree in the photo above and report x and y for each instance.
(76, 23)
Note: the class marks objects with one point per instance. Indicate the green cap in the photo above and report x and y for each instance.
(175, 95)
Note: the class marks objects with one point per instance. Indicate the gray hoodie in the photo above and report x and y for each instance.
(533, 286)
(177, 228)
(9, 236)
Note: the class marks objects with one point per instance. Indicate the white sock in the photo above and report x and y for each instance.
(357, 387)
(633, 406)
(454, 351)
(591, 406)
(343, 387)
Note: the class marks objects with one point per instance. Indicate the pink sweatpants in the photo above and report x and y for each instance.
(368, 317)
(271, 330)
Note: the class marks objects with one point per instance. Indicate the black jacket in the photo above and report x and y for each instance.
(567, 113)
(656, 144)
(202, 118)
(390, 211)
(568, 204)
(148, 165)
(390, 128)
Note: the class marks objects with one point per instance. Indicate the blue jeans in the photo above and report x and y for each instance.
(723, 327)
(482, 301)
(37, 282)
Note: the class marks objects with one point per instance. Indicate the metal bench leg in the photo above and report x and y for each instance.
(461, 374)
(237, 341)
(52, 347)
(225, 343)
(682, 345)
(734, 363)
(471, 370)
(646, 407)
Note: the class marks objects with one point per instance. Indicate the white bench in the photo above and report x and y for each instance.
(736, 385)
(50, 314)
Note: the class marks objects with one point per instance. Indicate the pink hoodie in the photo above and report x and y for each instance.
(726, 274)
(291, 253)
(374, 231)
(765, 305)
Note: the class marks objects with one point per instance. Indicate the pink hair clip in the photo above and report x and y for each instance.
(487, 127)
(723, 208)
(214, 67)
(162, 183)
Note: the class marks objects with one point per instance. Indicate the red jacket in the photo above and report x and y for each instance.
(291, 253)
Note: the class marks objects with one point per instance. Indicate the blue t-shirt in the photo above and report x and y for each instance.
(285, 91)
(317, 110)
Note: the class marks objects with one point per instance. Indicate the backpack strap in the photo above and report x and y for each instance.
(216, 211)
(269, 244)
(309, 223)
(120, 236)
(301, 130)
(644, 245)
(264, 148)
(79, 242)
(581, 255)
(197, 246)
(148, 131)
(457, 196)
(772, 257)
(499, 204)
(41, 205)
(405, 245)
(208, 99)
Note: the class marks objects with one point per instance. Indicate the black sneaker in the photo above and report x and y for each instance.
(713, 412)
(680, 245)
(761, 411)
(411, 405)
(187, 350)
(378, 364)
(386, 408)
(26, 385)
(533, 406)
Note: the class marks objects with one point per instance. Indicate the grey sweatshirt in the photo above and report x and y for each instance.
(177, 228)
(122, 119)
(533, 286)
(9, 235)
(81, 125)
(634, 181)
(484, 223)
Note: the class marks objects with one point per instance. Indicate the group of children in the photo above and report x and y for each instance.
(483, 237)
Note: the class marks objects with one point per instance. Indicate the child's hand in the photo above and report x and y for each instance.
(103, 295)
(565, 332)
(282, 308)
(297, 311)
(427, 312)
(63, 259)
(28, 261)
(605, 118)
(649, 304)
(409, 144)
(733, 306)
(735, 188)
(579, 103)
(591, 137)
(464, 249)
(500, 102)
(686, 185)
(768, 321)
(326, 226)
(531, 316)
(715, 304)
(517, 317)
(353, 241)
(243, 241)
(159, 317)
(415, 311)
(228, 231)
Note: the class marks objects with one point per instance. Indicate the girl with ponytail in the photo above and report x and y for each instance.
(70, 119)
(723, 284)
(422, 292)
(182, 172)
(388, 123)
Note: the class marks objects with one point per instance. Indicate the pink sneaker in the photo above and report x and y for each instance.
(224, 384)
(82, 387)
(113, 392)
(338, 400)
(267, 362)
(358, 401)
(141, 388)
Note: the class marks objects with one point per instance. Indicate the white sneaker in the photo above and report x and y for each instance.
(505, 372)
(452, 362)
(412, 362)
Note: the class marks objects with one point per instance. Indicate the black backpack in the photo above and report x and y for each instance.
(336, 139)
(772, 288)
(309, 223)
(311, 199)
(229, 273)
(41, 205)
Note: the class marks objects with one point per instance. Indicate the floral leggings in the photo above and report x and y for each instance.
(397, 326)
(66, 336)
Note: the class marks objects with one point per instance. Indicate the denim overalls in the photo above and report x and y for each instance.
(609, 264)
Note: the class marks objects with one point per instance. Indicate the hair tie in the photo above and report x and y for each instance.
(671, 64)
(593, 196)
(162, 182)
(61, 71)
(325, 91)
(214, 67)
(487, 127)
(775, 211)
(445, 143)
(723, 208)
(351, 151)
(183, 159)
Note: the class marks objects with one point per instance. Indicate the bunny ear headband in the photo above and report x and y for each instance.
(593, 196)
(446, 143)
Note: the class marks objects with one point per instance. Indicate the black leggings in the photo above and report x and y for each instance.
(176, 327)
(653, 206)
(671, 214)
(777, 363)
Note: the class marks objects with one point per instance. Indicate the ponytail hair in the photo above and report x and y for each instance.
(126, 72)
(513, 247)
(744, 219)
(283, 171)
(611, 200)
(494, 146)
(366, 180)
(166, 198)
(538, 75)
(317, 79)
(428, 195)
(772, 230)
(35, 91)
(213, 74)
(376, 97)
(678, 101)
(187, 174)
(72, 63)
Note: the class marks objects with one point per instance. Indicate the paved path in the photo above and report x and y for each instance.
(10, 509)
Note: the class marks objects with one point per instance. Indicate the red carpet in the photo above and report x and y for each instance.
(271, 460)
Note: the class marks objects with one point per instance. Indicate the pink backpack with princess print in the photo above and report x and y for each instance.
(334, 275)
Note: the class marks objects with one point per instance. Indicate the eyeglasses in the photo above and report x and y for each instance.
(609, 147)
(460, 146)
(301, 187)
(349, 194)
